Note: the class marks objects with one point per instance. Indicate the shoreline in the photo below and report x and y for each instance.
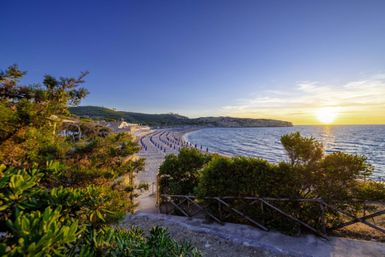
(155, 145)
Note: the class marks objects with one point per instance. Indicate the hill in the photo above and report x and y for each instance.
(172, 119)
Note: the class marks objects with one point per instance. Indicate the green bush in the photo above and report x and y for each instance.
(179, 174)
(41, 234)
(110, 241)
(238, 176)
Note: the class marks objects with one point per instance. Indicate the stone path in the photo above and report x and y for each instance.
(155, 146)
(241, 240)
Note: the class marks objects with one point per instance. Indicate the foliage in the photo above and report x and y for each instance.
(179, 174)
(248, 177)
(18, 191)
(161, 244)
(370, 190)
(41, 234)
(340, 174)
(111, 241)
(30, 114)
(60, 195)
(302, 150)
(337, 178)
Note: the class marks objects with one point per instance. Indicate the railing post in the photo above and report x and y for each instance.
(157, 191)
(323, 224)
(220, 210)
(263, 213)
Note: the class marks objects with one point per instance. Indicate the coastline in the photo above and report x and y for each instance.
(155, 145)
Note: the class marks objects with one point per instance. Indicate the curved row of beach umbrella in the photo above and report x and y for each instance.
(167, 141)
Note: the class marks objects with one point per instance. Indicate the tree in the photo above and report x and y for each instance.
(58, 196)
(333, 176)
(30, 114)
(302, 150)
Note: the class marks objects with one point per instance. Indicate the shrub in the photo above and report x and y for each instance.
(132, 242)
(369, 190)
(41, 234)
(339, 174)
(238, 176)
(179, 174)
(71, 221)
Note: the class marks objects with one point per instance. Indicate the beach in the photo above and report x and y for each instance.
(155, 145)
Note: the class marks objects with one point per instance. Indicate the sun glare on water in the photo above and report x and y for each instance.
(326, 115)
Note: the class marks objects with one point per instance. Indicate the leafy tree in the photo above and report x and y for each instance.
(302, 150)
(30, 114)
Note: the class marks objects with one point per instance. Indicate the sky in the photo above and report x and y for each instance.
(289, 60)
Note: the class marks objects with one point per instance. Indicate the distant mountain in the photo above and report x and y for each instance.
(172, 119)
(240, 122)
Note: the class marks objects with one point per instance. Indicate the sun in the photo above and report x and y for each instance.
(326, 115)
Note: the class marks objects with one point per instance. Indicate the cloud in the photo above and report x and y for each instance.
(307, 96)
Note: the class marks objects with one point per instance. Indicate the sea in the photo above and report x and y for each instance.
(368, 140)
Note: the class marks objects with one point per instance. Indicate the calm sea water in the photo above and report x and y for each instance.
(368, 140)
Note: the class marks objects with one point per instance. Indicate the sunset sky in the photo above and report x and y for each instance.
(308, 62)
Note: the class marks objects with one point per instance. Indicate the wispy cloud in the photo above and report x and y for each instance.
(351, 98)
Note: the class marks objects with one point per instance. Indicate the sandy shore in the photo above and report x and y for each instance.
(155, 145)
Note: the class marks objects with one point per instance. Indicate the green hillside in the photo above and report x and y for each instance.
(171, 119)
(96, 112)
